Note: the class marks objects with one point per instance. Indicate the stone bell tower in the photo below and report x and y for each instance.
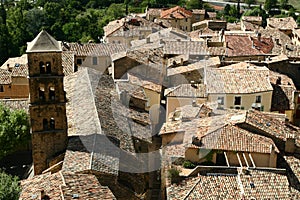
(47, 100)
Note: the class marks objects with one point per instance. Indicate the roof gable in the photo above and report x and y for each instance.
(43, 42)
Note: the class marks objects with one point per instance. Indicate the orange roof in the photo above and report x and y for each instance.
(176, 12)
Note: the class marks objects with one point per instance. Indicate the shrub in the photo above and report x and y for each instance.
(188, 164)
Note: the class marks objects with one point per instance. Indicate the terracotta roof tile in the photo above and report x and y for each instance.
(146, 83)
(64, 186)
(227, 79)
(67, 62)
(287, 23)
(240, 45)
(5, 77)
(20, 71)
(232, 138)
(176, 12)
(94, 49)
(187, 90)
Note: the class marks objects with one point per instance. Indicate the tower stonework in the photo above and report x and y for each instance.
(47, 100)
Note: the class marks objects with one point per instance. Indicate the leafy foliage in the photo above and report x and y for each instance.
(9, 188)
(188, 164)
(14, 129)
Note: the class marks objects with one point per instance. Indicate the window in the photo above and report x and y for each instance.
(51, 93)
(52, 123)
(42, 68)
(45, 124)
(48, 67)
(75, 68)
(94, 60)
(237, 100)
(220, 100)
(1, 88)
(79, 61)
(258, 99)
(42, 93)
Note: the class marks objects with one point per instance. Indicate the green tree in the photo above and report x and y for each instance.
(270, 4)
(249, 2)
(194, 4)
(283, 4)
(9, 188)
(14, 130)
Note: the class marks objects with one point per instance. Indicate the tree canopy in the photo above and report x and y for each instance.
(14, 129)
(9, 187)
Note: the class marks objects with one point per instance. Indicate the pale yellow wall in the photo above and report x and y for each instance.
(194, 155)
(175, 102)
(103, 62)
(154, 105)
(260, 159)
(246, 100)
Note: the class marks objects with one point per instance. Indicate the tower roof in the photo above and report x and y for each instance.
(43, 42)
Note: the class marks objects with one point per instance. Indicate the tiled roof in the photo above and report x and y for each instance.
(50, 183)
(132, 90)
(294, 164)
(154, 11)
(146, 55)
(16, 60)
(118, 27)
(205, 32)
(297, 32)
(67, 62)
(212, 14)
(264, 185)
(198, 11)
(84, 186)
(248, 26)
(205, 187)
(94, 49)
(240, 45)
(130, 32)
(283, 93)
(185, 47)
(64, 186)
(187, 90)
(20, 71)
(287, 23)
(228, 79)
(168, 34)
(271, 126)
(95, 116)
(16, 104)
(211, 62)
(232, 138)
(252, 18)
(234, 26)
(267, 185)
(5, 77)
(276, 35)
(146, 83)
(176, 12)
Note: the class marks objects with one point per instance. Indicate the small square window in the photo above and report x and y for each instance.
(1, 88)
(79, 61)
(94, 60)
(258, 99)
(221, 100)
(237, 100)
